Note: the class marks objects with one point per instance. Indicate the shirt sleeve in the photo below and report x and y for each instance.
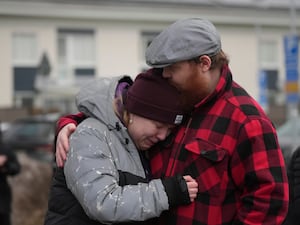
(258, 169)
(72, 118)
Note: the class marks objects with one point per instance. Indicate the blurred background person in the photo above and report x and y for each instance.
(293, 216)
(9, 166)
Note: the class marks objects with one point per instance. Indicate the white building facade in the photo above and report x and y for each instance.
(82, 40)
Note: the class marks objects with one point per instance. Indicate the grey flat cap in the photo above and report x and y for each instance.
(183, 40)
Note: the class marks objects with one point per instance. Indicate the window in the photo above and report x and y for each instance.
(25, 60)
(24, 47)
(76, 53)
(146, 39)
(84, 46)
(268, 52)
(269, 67)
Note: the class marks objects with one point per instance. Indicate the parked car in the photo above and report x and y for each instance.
(289, 137)
(4, 126)
(33, 135)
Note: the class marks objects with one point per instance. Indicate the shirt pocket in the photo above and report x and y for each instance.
(210, 165)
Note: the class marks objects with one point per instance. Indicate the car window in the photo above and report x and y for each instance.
(29, 129)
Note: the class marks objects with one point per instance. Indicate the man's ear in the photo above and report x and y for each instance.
(205, 62)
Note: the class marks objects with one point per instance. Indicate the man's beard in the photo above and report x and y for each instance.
(188, 100)
(193, 94)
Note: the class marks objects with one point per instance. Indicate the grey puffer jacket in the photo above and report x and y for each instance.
(100, 148)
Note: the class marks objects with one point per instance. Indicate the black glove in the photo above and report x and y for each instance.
(177, 190)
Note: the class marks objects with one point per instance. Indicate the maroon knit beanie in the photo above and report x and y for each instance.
(152, 97)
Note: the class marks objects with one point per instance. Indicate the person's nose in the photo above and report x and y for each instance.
(162, 133)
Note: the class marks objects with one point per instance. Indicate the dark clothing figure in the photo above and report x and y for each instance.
(9, 167)
(293, 216)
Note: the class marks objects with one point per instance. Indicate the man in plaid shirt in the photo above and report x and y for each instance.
(228, 144)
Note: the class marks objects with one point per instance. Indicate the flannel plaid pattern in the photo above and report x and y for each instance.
(230, 146)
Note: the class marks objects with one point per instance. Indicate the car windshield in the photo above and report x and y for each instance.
(31, 129)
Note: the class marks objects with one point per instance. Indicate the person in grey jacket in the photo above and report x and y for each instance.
(104, 170)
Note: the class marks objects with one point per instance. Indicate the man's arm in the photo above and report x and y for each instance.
(64, 128)
(258, 169)
(72, 118)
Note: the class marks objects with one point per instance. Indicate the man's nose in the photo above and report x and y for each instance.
(166, 73)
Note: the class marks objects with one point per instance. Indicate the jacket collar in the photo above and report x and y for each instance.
(224, 84)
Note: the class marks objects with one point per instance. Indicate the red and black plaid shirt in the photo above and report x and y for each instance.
(230, 147)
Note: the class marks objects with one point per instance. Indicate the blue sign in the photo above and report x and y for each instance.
(291, 50)
(263, 101)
